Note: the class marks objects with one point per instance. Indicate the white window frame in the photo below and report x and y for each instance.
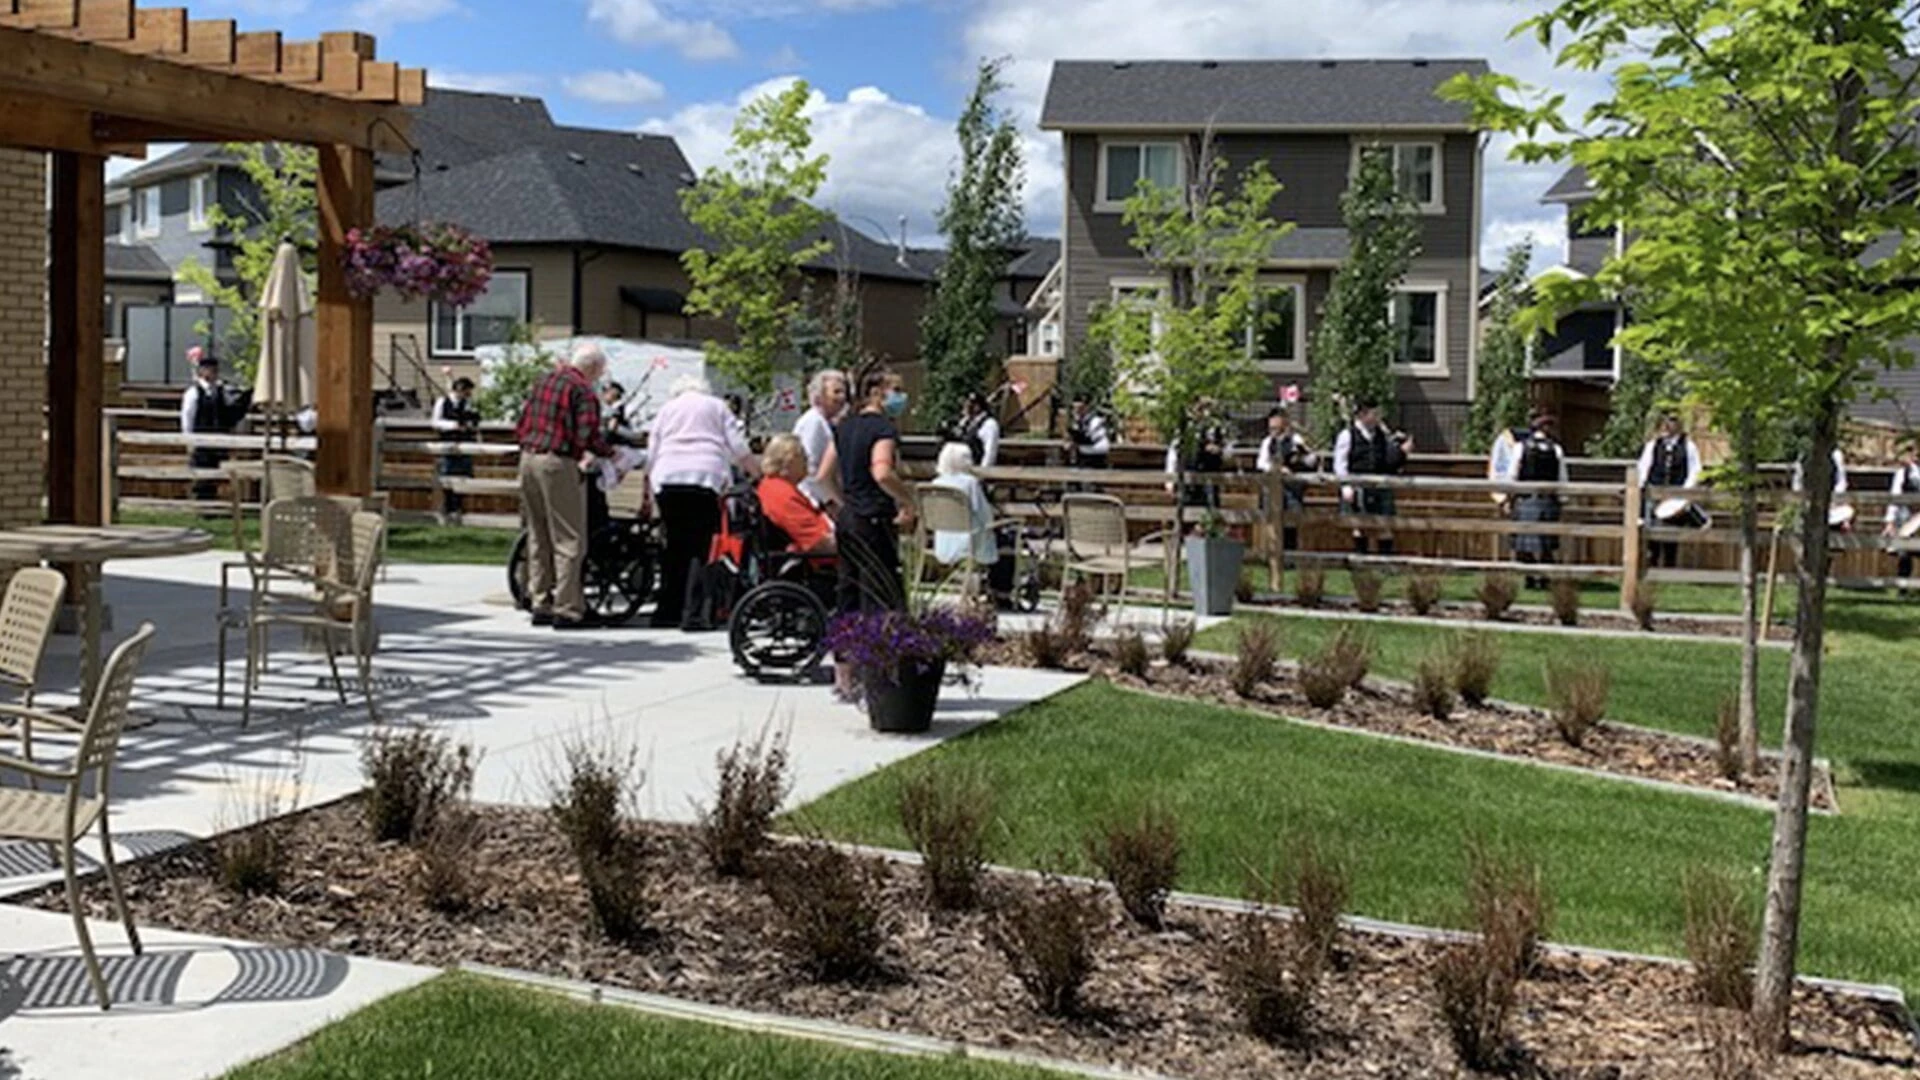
(146, 202)
(199, 197)
(126, 223)
(1118, 285)
(467, 348)
(1298, 365)
(1438, 204)
(1104, 205)
(1440, 368)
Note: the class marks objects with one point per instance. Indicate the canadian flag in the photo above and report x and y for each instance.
(787, 403)
(1019, 387)
(1290, 394)
(659, 363)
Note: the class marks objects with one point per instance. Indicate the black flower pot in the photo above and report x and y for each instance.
(905, 706)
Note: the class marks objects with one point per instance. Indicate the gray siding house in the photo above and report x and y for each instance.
(1122, 121)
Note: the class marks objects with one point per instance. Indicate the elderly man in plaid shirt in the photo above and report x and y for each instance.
(560, 436)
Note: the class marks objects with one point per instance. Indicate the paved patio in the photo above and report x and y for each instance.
(453, 655)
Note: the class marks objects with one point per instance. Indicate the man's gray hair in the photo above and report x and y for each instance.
(587, 354)
(817, 385)
(691, 383)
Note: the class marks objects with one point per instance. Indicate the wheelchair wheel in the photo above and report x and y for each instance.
(517, 572)
(1026, 594)
(778, 628)
(619, 575)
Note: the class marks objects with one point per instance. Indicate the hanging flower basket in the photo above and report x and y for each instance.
(433, 261)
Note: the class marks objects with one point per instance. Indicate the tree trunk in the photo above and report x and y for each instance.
(1749, 600)
(1773, 987)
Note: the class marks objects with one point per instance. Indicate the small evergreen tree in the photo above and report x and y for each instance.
(1644, 384)
(982, 221)
(757, 213)
(281, 206)
(1357, 342)
(1500, 398)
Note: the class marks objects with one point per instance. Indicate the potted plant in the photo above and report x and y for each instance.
(432, 261)
(1213, 567)
(900, 658)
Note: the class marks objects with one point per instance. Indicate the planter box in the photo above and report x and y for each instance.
(906, 707)
(1213, 573)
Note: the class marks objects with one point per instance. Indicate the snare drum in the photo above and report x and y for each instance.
(1841, 516)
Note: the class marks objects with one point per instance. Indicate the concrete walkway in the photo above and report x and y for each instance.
(454, 655)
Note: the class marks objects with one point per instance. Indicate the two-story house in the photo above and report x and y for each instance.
(1127, 121)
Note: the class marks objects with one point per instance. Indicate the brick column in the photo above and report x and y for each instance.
(23, 321)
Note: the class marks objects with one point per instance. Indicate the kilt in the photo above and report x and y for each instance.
(1376, 501)
(1536, 508)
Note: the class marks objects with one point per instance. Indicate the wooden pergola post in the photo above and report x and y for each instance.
(343, 328)
(76, 371)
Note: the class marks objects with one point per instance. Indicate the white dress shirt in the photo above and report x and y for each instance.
(989, 443)
(190, 403)
(1266, 462)
(1694, 468)
(1906, 481)
(1839, 474)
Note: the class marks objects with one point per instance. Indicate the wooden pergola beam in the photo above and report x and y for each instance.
(76, 346)
(343, 325)
(52, 127)
(157, 30)
(115, 83)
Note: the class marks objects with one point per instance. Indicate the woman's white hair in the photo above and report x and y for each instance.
(691, 383)
(817, 385)
(955, 458)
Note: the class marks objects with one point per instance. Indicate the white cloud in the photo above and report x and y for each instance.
(643, 23)
(887, 157)
(615, 88)
(380, 14)
(786, 58)
(1034, 33)
(486, 82)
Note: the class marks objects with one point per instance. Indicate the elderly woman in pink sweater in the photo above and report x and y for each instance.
(692, 447)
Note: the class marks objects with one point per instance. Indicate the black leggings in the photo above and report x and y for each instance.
(869, 563)
(691, 515)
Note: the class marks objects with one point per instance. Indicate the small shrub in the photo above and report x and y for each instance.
(1577, 691)
(1255, 653)
(1323, 679)
(1367, 587)
(829, 909)
(1497, 592)
(1177, 640)
(752, 782)
(1565, 595)
(1271, 985)
(1080, 611)
(1139, 855)
(588, 800)
(412, 774)
(1243, 591)
(1476, 998)
(1476, 660)
(1351, 653)
(1423, 592)
(1047, 936)
(444, 873)
(1045, 646)
(1310, 587)
(1318, 887)
(1645, 601)
(252, 862)
(945, 812)
(1726, 738)
(1722, 938)
(1510, 907)
(618, 894)
(1433, 685)
(1130, 653)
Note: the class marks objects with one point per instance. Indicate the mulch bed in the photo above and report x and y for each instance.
(1495, 728)
(1156, 1001)
(1678, 623)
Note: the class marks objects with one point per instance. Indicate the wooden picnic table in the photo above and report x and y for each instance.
(86, 548)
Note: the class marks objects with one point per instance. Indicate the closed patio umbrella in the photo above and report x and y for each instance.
(284, 379)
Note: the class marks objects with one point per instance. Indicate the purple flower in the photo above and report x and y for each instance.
(880, 646)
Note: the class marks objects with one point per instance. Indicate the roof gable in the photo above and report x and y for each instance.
(1254, 94)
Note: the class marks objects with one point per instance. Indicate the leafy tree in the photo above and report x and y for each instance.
(1645, 385)
(1500, 398)
(507, 385)
(281, 206)
(982, 221)
(757, 212)
(1188, 343)
(1357, 343)
(1753, 149)
(825, 330)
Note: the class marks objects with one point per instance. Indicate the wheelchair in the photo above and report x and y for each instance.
(620, 573)
(776, 603)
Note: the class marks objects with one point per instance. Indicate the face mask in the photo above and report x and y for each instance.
(896, 402)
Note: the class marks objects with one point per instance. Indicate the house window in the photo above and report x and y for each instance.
(1416, 172)
(146, 204)
(1419, 314)
(487, 321)
(200, 194)
(1141, 296)
(1049, 336)
(1017, 338)
(1279, 342)
(1124, 165)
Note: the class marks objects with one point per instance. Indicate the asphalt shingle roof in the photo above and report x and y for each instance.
(1318, 245)
(134, 261)
(1253, 94)
(1571, 187)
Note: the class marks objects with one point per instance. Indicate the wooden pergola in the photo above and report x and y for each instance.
(85, 79)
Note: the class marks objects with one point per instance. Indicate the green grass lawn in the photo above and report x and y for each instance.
(460, 1027)
(406, 542)
(1614, 854)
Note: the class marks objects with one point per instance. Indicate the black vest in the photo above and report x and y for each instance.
(1284, 451)
(969, 433)
(1539, 460)
(1669, 463)
(209, 413)
(1207, 454)
(1370, 455)
(461, 412)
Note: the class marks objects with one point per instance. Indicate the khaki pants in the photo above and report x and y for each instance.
(553, 496)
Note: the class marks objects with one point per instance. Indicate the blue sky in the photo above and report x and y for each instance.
(890, 74)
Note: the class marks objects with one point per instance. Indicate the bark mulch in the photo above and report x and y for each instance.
(1156, 1001)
